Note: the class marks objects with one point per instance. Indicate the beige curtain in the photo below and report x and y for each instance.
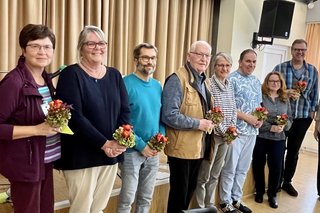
(313, 39)
(172, 25)
(14, 14)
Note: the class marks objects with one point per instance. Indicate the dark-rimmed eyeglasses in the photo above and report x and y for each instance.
(145, 58)
(92, 44)
(299, 50)
(274, 81)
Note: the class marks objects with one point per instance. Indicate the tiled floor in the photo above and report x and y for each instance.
(305, 183)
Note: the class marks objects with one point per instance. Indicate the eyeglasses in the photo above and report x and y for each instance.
(93, 45)
(145, 58)
(223, 65)
(202, 55)
(298, 50)
(274, 81)
(37, 47)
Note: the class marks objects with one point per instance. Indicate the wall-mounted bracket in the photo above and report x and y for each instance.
(259, 40)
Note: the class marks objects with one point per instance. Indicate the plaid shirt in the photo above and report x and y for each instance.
(309, 98)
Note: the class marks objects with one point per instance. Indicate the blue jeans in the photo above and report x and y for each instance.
(138, 175)
(234, 171)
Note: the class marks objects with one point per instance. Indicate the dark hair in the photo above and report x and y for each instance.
(32, 32)
(282, 90)
(245, 52)
(136, 51)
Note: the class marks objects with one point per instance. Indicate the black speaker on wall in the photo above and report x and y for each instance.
(276, 18)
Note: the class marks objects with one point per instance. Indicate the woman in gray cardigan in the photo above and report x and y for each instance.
(270, 143)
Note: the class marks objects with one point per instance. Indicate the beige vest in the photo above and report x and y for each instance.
(187, 144)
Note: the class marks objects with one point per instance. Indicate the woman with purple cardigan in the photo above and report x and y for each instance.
(26, 141)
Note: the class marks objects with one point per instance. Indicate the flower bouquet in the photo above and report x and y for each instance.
(301, 86)
(158, 142)
(215, 115)
(261, 113)
(59, 115)
(124, 135)
(282, 119)
(230, 135)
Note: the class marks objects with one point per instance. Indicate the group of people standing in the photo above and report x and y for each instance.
(102, 101)
(198, 160)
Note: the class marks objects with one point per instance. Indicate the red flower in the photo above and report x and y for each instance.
(215, 115)
(158, 142)
(58, 114)
(230, 135)
(124, 135)
(282, 119)
(261, 113)
(301, 86)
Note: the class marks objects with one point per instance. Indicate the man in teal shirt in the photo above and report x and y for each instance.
(140, 166)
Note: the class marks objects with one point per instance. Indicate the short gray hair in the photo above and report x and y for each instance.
(222, 55)
(196, 43)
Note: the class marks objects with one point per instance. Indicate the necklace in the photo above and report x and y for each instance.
(94, 73)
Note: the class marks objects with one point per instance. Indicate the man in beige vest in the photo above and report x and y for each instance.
(186, 99)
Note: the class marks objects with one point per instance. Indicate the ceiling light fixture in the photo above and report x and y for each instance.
(311, 5)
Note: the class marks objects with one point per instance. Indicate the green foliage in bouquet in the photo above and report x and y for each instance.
(215, 115)
(230, 135)
(261, 113)
(124, 135)
(282, 119)
(158, 142)
(58, 114)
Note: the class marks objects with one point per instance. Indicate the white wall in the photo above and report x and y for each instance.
(240, 18)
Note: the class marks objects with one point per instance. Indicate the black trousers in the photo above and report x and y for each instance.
(295, 137)
(270, 151)
(183, 180)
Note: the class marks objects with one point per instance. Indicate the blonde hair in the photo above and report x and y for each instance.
(83, 36)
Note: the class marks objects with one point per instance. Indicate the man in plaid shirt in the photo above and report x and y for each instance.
(303, 106)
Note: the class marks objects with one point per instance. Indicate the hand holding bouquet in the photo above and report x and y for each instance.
(158, 142)
(301, 86)
(282, 119)
(59, 115)
(230, 135)
(124, 135)
(215, 115)
(261, 113)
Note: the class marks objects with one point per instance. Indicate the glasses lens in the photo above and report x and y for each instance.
(92, 44)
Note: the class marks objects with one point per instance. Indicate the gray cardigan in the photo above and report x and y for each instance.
(274, 108)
